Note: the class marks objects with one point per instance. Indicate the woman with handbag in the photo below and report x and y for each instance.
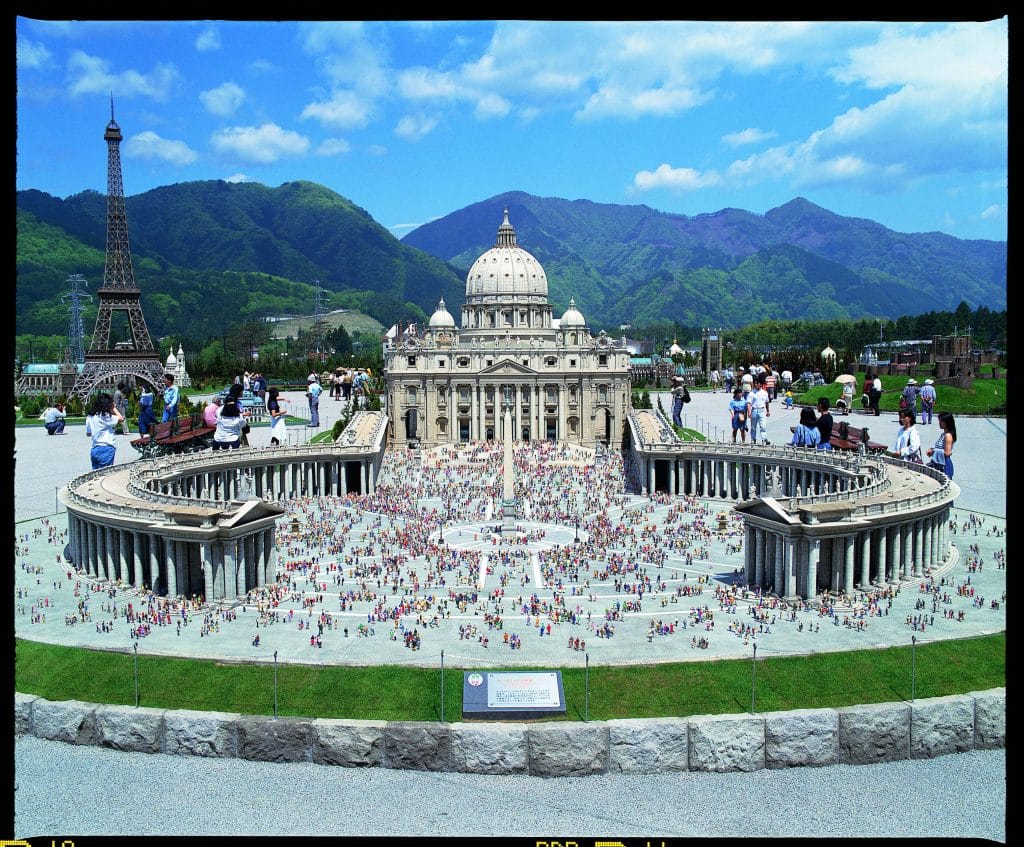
(278, 427)
(738, 411)
(941, 455)
(908, 440)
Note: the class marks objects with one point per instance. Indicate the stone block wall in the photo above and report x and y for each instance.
(863, 734)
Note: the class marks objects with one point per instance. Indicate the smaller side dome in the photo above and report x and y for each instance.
(442, 318)
(675, 349)
(171, 360)
(572, 317)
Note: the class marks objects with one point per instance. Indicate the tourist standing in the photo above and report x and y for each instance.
(147, 417)
(928, 398)
(278, 427)
(941, 454)
(738, 415)
(229, 427)
(908, 440)
(121, 404)
(824, 425)
(875, 394)
(760, 411)
(170, 398)
(678, 394)
(313, 392)
(100, 425)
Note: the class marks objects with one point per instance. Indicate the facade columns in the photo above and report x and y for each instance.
(759, 556)
(848, 565)
(813, 557)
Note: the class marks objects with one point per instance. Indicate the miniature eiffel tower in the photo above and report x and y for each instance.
(136, 358)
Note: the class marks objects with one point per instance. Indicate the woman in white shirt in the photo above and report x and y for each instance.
(100, 425)
(228, 435)
(908, 440)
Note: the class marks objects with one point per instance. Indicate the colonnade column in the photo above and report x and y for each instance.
(865, 561)
(154, 562)
(209, 588)
(880, 543)
(848, 543)
(749, 552)
(169, 564)
(919, 548)
(759, 555)
(790, 547)
(813, 556)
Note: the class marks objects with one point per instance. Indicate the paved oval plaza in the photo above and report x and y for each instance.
(420, 567)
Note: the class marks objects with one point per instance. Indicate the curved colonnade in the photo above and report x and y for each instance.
(203, 524)
(815, 521)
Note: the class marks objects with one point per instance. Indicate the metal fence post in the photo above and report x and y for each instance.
(913, 667)
(275, 685)
(753, 678)
(136, 662)
(442, 686)
(586, 688)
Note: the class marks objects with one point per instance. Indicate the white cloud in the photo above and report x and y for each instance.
(676, 179)
(323, 36)
(492, 106)
(993, 211)
(149, 145)
(239, 178)
(91, 75)
(345, 110)
(421, 83)
(263, 144)
(208, 39)
(32, 54)
(223, 100)
(261, 66)
(751, 135)
(333, 147)
(377, 150)
(415, 127)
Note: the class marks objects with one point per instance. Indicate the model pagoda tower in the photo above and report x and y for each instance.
(119, 293)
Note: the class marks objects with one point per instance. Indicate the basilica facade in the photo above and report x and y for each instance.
(452, 384)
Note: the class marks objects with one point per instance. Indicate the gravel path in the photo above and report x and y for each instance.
(66, 790)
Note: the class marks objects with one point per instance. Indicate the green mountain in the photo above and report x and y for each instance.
(626, 263)
(213, 253)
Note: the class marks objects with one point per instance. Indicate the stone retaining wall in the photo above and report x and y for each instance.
(800, 738)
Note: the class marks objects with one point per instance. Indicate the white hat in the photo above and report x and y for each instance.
(911, 381)
(929, 382)
(311, 378)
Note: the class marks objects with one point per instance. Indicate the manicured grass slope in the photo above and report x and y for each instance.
(828, 680)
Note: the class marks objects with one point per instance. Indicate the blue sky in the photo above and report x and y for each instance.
(902, 123)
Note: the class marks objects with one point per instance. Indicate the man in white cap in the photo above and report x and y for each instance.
(928, 398)
(313, 395)
(909, 398)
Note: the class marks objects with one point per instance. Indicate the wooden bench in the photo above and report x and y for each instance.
(853, 438)
(182, 435)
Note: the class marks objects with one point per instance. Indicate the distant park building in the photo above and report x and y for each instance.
(711, 349)
(450, 384)
(175, 365)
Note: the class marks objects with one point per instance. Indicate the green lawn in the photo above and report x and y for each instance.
(985, 397)
(828, 680)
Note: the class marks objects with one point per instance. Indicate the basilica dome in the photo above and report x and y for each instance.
(573, 317)
(442, 318)
(506, 269)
